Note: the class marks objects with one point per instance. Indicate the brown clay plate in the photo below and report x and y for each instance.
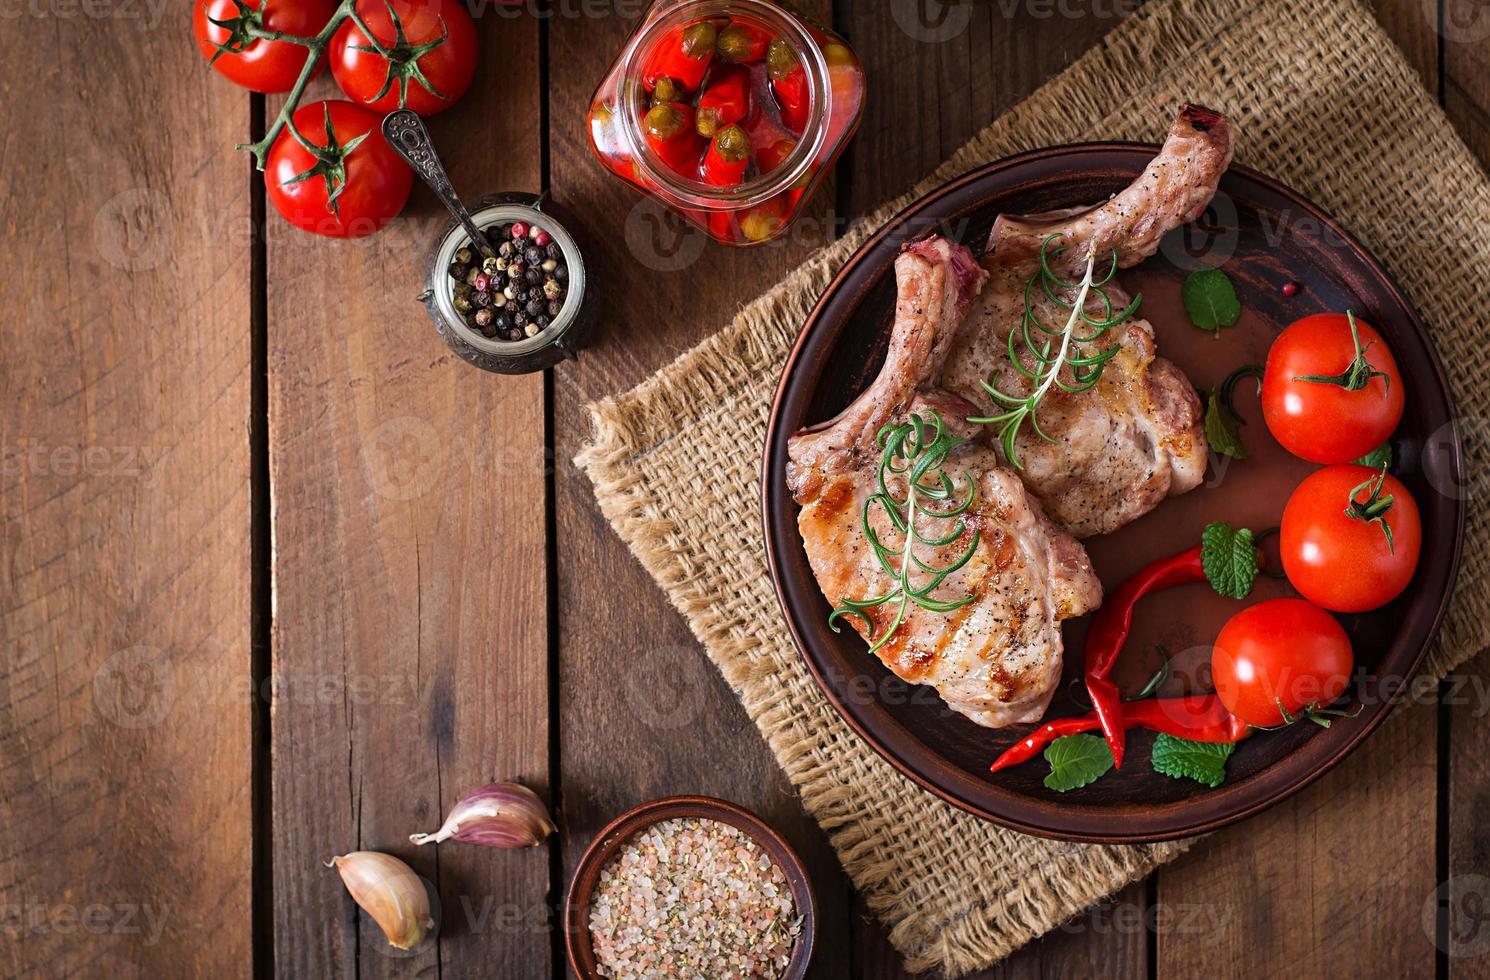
(1264, 235)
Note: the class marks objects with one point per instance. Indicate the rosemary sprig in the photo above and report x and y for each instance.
(916, 451)
(1051, 349)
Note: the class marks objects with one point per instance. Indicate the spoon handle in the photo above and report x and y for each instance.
(405, 132)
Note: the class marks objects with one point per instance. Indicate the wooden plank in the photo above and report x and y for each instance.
(1331, 882)
(642, 712)
(410, 636)
(1463, 935)
(124, 465)
(935, 82)
(1466, 69)
(1464, 885)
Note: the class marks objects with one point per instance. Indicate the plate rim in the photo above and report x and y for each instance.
(769, 492)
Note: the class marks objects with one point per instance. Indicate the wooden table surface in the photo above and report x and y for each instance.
(282, 578)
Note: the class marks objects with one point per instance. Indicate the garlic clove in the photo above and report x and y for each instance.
(390, 892)
(497, 815)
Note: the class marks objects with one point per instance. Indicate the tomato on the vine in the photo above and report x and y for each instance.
(422, 52)
(254, 63)
(1350, 538)
(1280, 659)
(1332, 392)
(340, 177)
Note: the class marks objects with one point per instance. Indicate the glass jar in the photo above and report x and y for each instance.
(730, 112)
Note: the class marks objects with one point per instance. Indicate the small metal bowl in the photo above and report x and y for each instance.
(623, 828)
(558, 341)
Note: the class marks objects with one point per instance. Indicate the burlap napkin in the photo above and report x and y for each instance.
(1324, 101)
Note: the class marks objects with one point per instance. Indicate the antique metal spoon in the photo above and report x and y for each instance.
(406, 134)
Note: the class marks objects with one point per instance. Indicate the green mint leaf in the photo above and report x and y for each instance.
(1211, 300)
(1222, 428)
(1229, 558)
(1075, 761)
(1378, 457)
(1204, 762)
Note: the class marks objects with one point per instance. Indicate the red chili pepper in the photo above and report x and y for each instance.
(743, 42)
(1110, 629)
(727, 159)
(683, 55)
(789, 83)
(670, 133)
(726, 101)
(1198, 717)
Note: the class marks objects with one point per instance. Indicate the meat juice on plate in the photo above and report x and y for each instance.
(729, 112)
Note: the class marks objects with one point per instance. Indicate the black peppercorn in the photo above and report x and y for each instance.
(534, 254)
(544, 320)
(519, 319)
(534, 307)
(505, 250)
(554, 308)
(562, 273)
(554, 251)
(535, 276)
(502, 322)
(514, 334)
(482, 298)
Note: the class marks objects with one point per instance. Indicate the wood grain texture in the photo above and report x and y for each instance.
(1330, 882)
(410, 636)
(1466, 73)
(124, 504)
(642, 712)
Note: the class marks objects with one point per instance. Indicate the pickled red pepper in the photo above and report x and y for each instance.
(1197, 717)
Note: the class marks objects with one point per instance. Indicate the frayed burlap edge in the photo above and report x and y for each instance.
(1133, 59)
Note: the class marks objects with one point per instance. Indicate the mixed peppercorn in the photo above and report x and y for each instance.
(518, 293)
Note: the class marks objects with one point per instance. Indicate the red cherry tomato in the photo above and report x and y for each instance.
(261, 66)
(1354, 400)
(1334, 538)
(373, 180)
(429, 72)
(1283, 655)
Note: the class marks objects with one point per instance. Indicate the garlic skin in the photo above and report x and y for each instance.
(496, 815)
(390, 892)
